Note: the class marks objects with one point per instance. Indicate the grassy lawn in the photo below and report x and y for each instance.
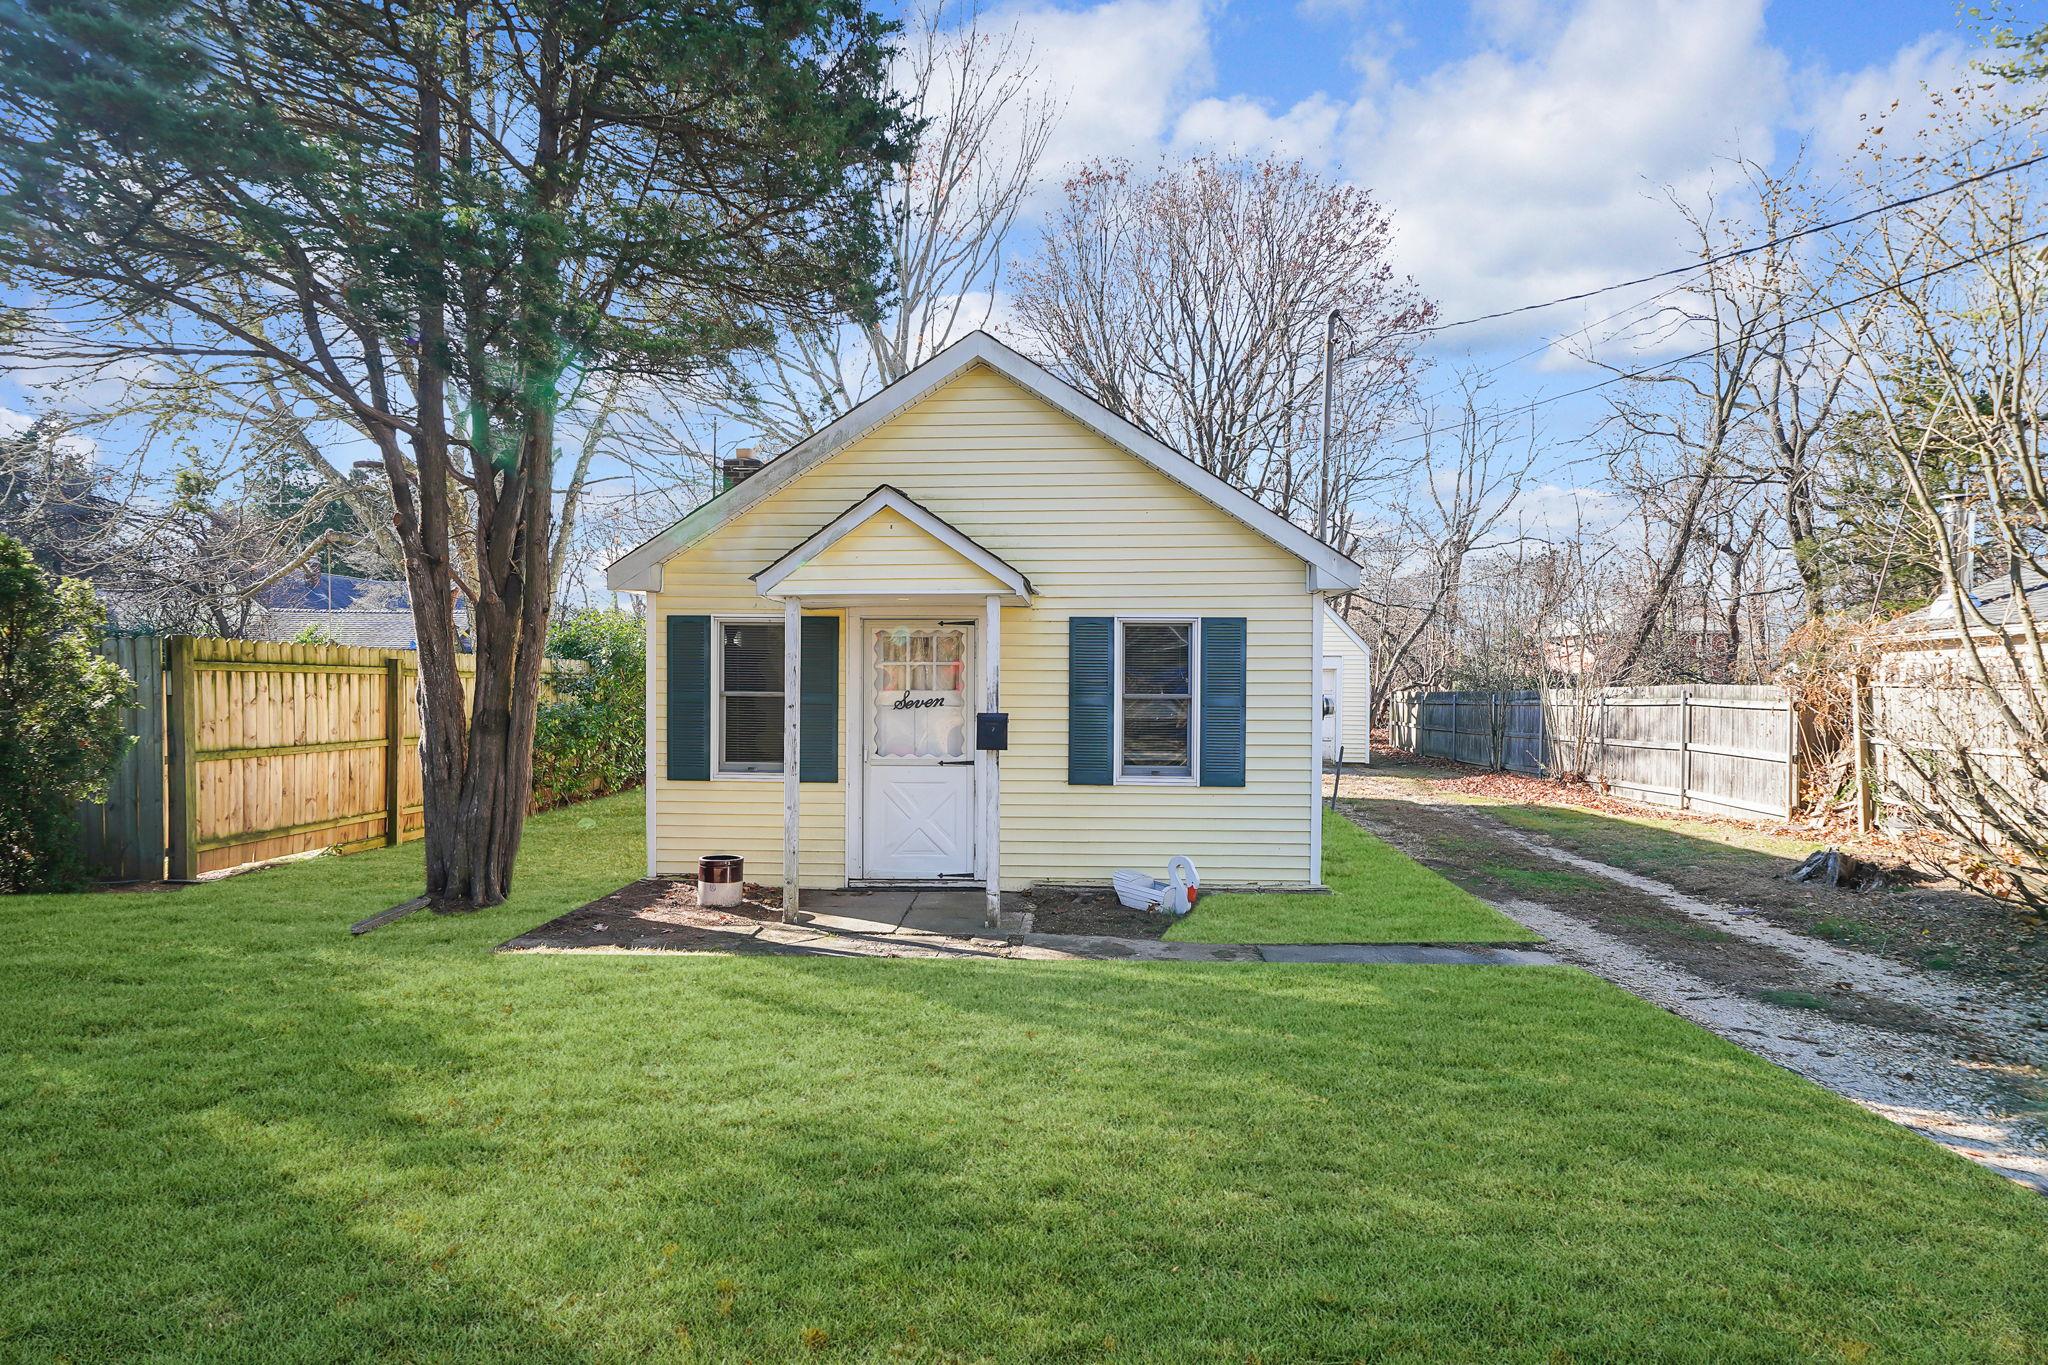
(1379, 896)
(229, 1131)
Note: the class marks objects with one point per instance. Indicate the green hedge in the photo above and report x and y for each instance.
(60, 720)
(591, 739)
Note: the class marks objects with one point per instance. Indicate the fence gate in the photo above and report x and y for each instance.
(122, 837)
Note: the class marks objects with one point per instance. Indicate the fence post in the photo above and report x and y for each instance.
(1859, 746)
(1791, 754)
(1685, 750)
(1601, 771)
(181, 727)
(394, 744)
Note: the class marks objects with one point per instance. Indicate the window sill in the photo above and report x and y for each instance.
(1155, 780)
(746, 777)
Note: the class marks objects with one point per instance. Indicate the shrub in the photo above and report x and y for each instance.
(60, 720)
(591, 738)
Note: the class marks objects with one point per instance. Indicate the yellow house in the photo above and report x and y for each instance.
(1011, 639)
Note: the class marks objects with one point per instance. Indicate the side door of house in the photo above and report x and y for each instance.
(917, 782)
(1333, 706)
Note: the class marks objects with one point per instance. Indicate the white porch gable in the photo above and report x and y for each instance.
(887, 547)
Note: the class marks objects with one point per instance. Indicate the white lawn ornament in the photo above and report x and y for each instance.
(1176, 895)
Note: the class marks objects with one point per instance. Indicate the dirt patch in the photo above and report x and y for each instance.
(658, 913)
(1089, 910)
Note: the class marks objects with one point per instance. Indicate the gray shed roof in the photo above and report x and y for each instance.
(1993, 596)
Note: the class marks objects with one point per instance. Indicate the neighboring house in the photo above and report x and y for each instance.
(1347, 684)
(981, 537)
(374, 612)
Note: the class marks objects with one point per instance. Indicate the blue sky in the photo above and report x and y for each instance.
(1524, 146)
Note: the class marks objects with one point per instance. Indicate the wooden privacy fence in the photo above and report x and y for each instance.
(248, 750)
(1727, 749)
(281, 748)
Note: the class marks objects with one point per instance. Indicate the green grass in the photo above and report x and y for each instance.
(1794, 1000)
(228, 1131)
(1540, 881)
(1677, 928)
(1842, 929)
(1379, 895)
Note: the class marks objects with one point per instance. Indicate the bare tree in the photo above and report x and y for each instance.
(1962, 283)
(1457, 507)
(189, 551)
(1681, 426)
(1192, 301)
(945, 223)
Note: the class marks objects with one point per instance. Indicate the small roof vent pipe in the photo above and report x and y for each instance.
(1960, 525)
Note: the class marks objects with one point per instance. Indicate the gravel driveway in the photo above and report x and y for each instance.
(1958, 1057)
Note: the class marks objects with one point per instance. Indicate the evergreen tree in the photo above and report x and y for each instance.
(1877, 553)
(60, 719)
(437, 218)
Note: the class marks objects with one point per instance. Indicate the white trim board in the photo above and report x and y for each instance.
(639, 570)
(887, 499)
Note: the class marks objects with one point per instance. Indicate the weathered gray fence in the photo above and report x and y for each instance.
(1725, 749)
(1922, 706)
(122, 837)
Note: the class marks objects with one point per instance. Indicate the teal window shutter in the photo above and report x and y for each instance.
(689, 698)
(1090, 687)
(1223, 689)
(818, 700)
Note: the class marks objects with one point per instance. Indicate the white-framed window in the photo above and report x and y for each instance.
(1158, 698)
(747, 682)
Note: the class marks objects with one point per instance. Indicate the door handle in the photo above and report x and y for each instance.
(956, 763)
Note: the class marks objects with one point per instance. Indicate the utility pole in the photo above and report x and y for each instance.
(1323, 510)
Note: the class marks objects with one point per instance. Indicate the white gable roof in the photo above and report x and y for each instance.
(640, 569)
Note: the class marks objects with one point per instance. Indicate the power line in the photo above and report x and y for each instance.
(1734, 253)
(1705, 351)
(1585, 329)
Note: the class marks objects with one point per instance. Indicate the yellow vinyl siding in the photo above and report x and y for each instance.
(886, 554)
(1357, 717)
(1098, 533)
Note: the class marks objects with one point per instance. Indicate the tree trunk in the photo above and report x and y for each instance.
(1667, 573)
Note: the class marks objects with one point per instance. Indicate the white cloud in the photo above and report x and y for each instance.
(1123, 70)
(1307, 131)
(1554, 511)
(1528, 170)
(1841, 110)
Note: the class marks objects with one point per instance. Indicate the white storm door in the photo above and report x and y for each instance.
(917, 783)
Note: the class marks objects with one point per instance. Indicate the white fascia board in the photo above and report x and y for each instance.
(888, 499)
(640, 569)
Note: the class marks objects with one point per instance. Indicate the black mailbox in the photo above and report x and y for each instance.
(992, 730)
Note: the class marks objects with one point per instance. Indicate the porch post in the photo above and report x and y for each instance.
(991, 762)
(792, 742)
